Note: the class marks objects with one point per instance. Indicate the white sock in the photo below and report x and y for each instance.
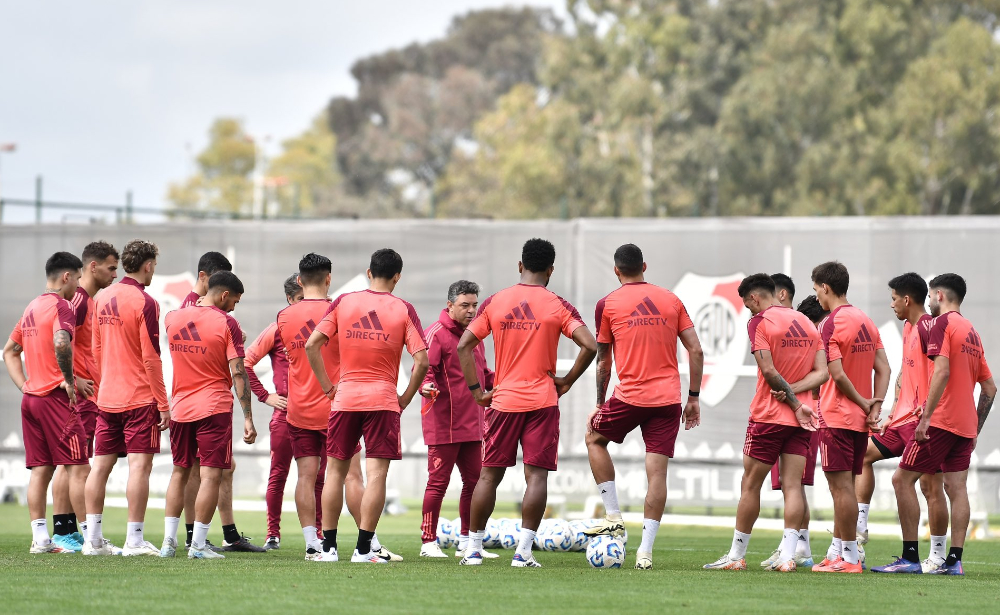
(649, 529)
(789, 542)
(863, 517)
(133, 537)
(83, 528)
(526, 539)
(850, 551)
(40, 531)
(463, 542)
(312, 541)
(376, 545)
(476, 542)
(939, 544)
(610, 497)
(96, 537)
(201, 534)
(803, 549)
(836, 547)
(170, 525)
(740, 543)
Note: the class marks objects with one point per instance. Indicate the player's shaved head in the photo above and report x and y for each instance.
(811, 309)
(910, 285)
(385, 264)
(61, 262)
(211, 262)
(834, 275)
(313, 269)
(628, 259)
(758, 284)
(538, 255)
(783, 282)
(951, 284)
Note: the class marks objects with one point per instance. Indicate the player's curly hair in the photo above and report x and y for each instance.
(538, 255)
(811, 309)
(910, 285)
(313, 268)
(462, 287)
(755, 282)
(136, 253)
(98, 251)
(953, 285)
(833, 274)
(292, 285)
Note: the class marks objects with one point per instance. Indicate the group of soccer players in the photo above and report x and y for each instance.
(95, 388)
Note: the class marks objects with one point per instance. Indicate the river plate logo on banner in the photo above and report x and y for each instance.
(720, 319)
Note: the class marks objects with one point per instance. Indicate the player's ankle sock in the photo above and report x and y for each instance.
(329, 540)
(40, 531)
(133, 538)
(740, 543)
(60, 525)
(73, 525)
(849, 549)
(938, 546)
(524, 543)
(84, 529)
(199, 535)
(364, 542)
(476, 541)
(649, 529)
(836, 547)
(609, 494)
(911, 551)
(95, 525)
(376, 545)
(463, 542)
(954, 556)
(190, 531)
(789, 542)
(170, 525)
(312, 541)
(803, 548)
(230, 534)
(863, 517)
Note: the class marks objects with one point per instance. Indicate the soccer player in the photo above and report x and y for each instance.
(268, 344)
(790, 360)
(132, 398)
(452, 421)
(947, 429)
(784, 289)
(100, 266)
(639, 324)
(52, 431)
(209, 264)
(848, 408)
(908, 294)
(526, 321)
(206, 346)
(371, 328)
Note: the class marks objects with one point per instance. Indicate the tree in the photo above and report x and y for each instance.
(305, 174)
(222, 182)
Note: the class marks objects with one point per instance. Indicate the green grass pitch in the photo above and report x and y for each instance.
(282, 582)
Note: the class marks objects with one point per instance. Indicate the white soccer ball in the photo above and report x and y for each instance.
(509, 536)
(557, 537)
(580, 539)
(606, 552)
(444, 534)
(491, 537)
(456, 529)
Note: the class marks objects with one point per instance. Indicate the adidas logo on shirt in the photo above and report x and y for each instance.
(303, 335)
(367, 328)
(796, 337)
(520, 318)
(109, 314)
(973, 345)
(863, 342)
(28, 325)
(189, 333)
(645, 314)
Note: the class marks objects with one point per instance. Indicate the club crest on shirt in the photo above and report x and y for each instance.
(720, 319)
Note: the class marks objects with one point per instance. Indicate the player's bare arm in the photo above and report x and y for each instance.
(241, 383)
(818, 376)
(777, 382)
(62, 342)
(12, 359)
(314, 350)
(84, 387)
(696, 363)
(845, 386)
(942, 372)
(882, 375)
(468, 362)
(892, 411)
(987, 393)
(603, 372)
(588, 350)
(420, 364)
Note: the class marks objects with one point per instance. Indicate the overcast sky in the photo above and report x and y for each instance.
(102, 97)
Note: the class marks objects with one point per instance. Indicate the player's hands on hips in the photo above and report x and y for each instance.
(164, 420)
(429, 391)
(403, 402)
(276, 401)
(562, 385)
(692, 414)
(919, 412)
(84, 387)
(920, 435)
(249, 432)
(590, 418)
(483, 398)
(70, 389)
(806, 418)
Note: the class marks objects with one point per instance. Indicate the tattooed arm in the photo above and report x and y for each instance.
(241, 382)
(775, 380)
(63, 343)
(12, 360)
(987, 393)
(603, 372)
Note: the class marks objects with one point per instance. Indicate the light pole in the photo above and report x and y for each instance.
(7, 148)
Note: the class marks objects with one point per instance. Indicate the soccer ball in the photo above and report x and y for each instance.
(557, 537)
(491, 537)
(509, 536)
(606, 552)
(444, 534)
(456, 530)
(580, 539)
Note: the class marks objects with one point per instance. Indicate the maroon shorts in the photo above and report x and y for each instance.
(809, 473)
(942, 452)
(208, 440)
(537, 431)
(843, 450)
(766, 442)
(88, 410)
(132, 431)
(52, 431)
(307, 442)
(895, 439)
(659, 424)
(380, 429)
